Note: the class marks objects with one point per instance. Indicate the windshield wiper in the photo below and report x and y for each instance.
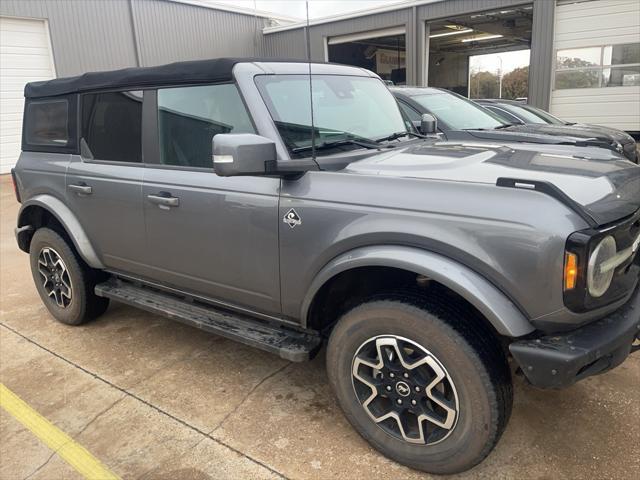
(397, 135)
(507, 125)
(338, 143)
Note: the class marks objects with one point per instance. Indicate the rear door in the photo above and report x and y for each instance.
(213, 236)
(104, 182)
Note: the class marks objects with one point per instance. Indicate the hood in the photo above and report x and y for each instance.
(606, 188)
(541, 134)
(576, 131)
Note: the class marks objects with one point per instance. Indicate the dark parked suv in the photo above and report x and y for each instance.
(525, 118)
(461, 119)
(219, 194)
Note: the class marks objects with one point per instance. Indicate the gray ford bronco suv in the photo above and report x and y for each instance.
(287, 204)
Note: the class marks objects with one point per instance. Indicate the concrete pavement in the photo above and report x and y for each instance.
(154, 399)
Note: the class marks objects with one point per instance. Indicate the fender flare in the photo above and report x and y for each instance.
(497, 308)
(70, 223)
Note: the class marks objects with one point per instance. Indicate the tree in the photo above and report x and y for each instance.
(483, 85)
(515, 84)
(579, 75)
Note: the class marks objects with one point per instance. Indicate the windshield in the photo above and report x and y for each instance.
(344, 108)
(458, 113)
(523, 114)
(545, 116)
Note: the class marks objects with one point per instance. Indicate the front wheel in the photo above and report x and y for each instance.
(65, 284)
(420, 384)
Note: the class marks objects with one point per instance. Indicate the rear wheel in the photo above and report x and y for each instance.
(65, 284)
(421, 384)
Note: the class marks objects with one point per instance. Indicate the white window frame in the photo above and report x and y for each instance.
(599, 68)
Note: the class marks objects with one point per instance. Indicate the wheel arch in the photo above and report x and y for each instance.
(503, 315)
(33, 214)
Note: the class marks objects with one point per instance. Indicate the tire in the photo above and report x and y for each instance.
(68, 293)
(476, 384)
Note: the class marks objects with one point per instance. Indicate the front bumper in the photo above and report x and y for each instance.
(557, 361)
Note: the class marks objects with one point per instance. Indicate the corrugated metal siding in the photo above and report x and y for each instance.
(90, 35)
(287, 44)
(318, 33)
(93, 35)
(598, 23)
(169, 31)
(541, 64)
(446, 8)
(291, 42)
(541, 36)
(453, 8)
(85, 35)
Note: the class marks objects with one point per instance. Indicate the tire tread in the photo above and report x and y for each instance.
(469, 329)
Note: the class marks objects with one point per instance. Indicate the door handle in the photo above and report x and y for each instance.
(81, 189)
(164, 200)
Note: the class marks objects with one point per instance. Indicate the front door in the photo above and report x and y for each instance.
(212, 236)
(104, 183)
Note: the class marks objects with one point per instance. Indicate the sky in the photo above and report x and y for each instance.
(297, 8)
(491, 62)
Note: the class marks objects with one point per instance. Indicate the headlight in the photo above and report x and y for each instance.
(600, 272)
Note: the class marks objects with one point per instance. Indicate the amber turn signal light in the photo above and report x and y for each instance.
(570, 270)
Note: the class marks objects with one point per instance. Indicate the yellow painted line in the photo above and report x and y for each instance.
(68, 449)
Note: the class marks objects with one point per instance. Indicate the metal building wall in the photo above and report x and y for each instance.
(291, 42)
(287, 44)
(541, 37)
(542, 57)
(85, 35)
(92, 35)
(169, 32)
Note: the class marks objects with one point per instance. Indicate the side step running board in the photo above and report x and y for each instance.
(290, 344)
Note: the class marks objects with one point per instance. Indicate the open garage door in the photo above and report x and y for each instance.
(381, 51)
(472, 54)
(25, 56)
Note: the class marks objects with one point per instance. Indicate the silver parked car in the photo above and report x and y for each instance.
(218, 193)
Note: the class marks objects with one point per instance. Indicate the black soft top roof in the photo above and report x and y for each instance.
(196, 71)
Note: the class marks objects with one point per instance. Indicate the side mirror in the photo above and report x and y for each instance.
(236, 154)
(428, 124)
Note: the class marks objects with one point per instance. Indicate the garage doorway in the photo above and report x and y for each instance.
(25, 57)
(381, 51)
(473, 54)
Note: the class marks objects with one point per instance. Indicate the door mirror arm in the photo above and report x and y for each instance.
(291, 168)
(244, 154)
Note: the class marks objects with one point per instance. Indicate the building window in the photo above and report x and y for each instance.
(189, 118)
(112, 126)
(47, 123)
(597, 67)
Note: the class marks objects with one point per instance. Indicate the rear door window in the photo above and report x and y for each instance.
(47, 123)
(112, 126)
